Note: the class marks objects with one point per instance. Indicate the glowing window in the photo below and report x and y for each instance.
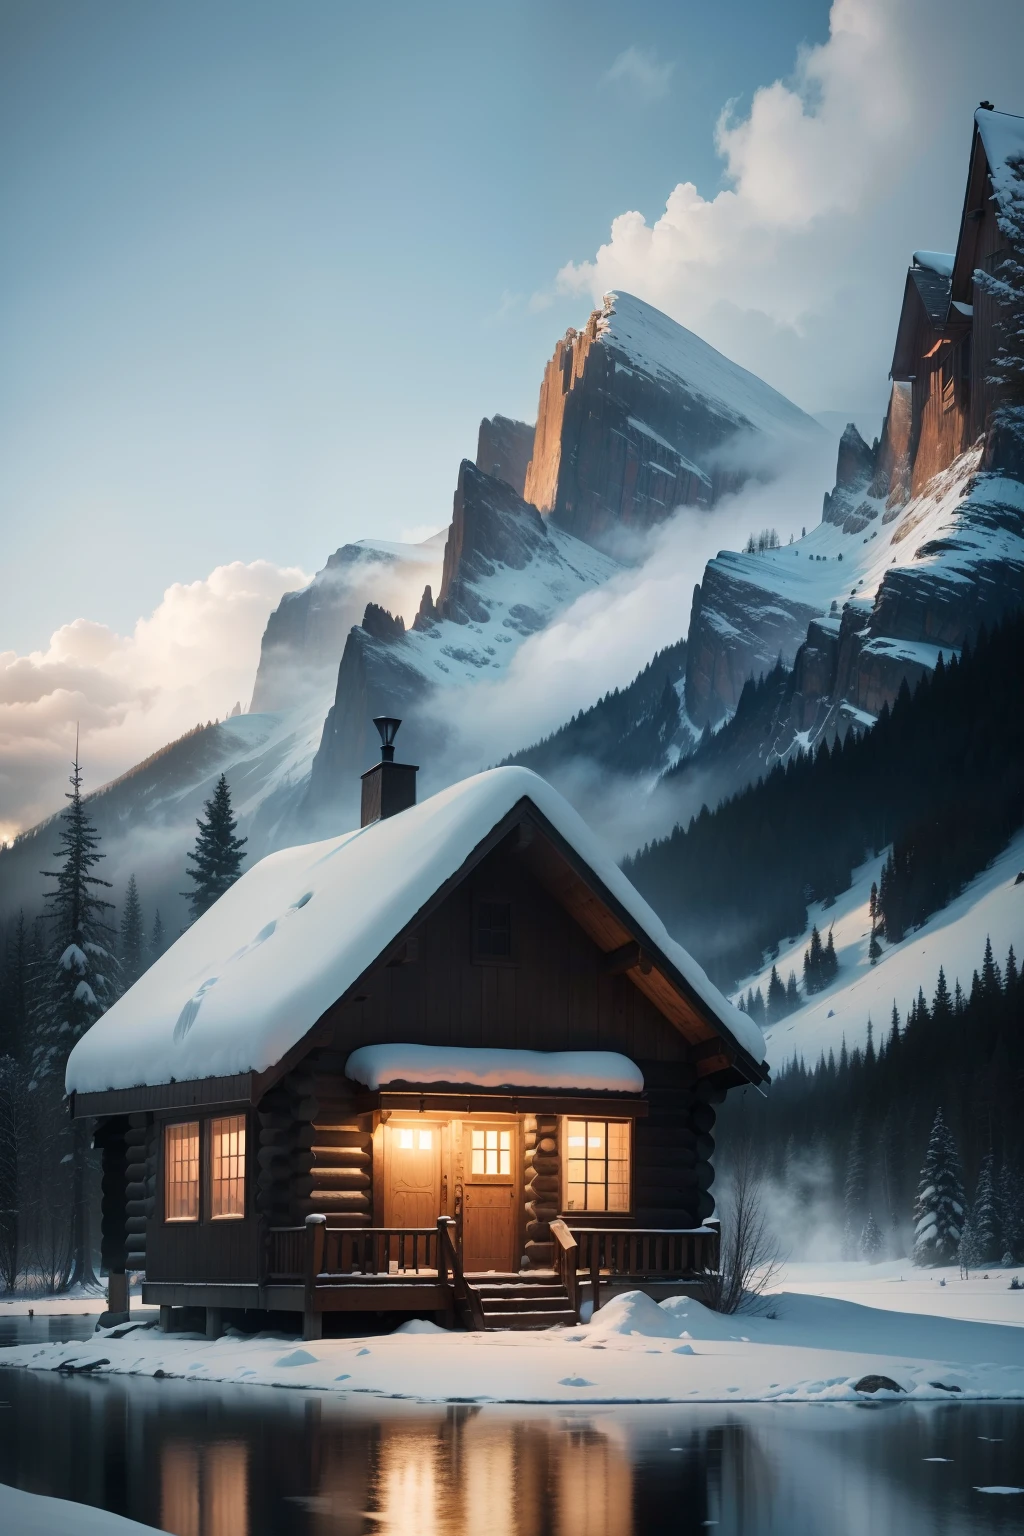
(597, 1165)
(426, 1140)
(227, 1168)
(409, 1140)
(405, 1141)
(181, 1172)
(492, 1153)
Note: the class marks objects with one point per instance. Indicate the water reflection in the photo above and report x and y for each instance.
(206, 1460)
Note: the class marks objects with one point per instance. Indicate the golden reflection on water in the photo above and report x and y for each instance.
(204, 1490)
(465, 1474)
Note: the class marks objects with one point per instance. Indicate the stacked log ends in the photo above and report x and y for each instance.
(542, 1187)
(140, 1187)
(315, 1154)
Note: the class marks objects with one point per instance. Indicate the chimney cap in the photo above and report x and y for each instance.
(387, 727)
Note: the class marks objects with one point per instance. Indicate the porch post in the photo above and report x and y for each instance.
(312, 1320)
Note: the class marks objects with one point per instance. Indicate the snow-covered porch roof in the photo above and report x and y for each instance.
(380, 1066)
(236, 996)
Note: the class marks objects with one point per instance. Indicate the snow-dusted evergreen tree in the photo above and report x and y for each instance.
(967, 1248)
(133, 957)
(1010, 1206)
(80, 984)
(217, 858)
(81, 975)
(157, 942)
(939, 1208)
(985, 1216)
(871, 1240)
(792, 993)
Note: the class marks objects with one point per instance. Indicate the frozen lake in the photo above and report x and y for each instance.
(213, 1460)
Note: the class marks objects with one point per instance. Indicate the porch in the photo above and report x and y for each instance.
(317, 1269)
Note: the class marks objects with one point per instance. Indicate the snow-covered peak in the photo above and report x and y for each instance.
(658, 346)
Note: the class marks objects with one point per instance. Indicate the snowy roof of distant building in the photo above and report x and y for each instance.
(1002, 134)
(939, 262)
(660, 346)
(246, 983)
(933, 288)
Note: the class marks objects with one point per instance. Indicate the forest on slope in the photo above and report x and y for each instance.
(940, 777)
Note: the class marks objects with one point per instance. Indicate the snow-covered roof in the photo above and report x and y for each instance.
(1002, 134)
(660, 346)
(251, 977)
(939, 262)
(588, 1071)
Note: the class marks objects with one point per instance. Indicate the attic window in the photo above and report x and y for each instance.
(492, 931)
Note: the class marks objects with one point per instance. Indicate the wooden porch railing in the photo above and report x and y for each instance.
(632, 1253)
(343, 1252)
(466, 1298)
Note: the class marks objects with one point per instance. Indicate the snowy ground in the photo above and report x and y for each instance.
(33, 1514)
(897, 1286)
(992, 905)
(806, 1348)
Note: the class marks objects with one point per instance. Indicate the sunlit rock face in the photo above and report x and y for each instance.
(638, 416)
(504, 449)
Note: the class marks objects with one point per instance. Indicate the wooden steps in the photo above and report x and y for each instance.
(522, 1301)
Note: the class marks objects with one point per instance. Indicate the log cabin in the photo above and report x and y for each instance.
(450, 1064)
(947, 337)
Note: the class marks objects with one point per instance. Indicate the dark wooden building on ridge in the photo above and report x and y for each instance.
(947, 335)
(451, 1062)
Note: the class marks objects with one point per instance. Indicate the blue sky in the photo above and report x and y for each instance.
(263, 267)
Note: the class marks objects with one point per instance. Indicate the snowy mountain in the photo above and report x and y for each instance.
(638, 416)
(507, 573)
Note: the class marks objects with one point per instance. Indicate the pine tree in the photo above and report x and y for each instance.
(15, 991)
(156, 938)
(829, 963)
(133, 959)
(1010, 1208)
(991, 981)
(967, 1248)
(813, 958)
(871, 1240)
(874, 947)
(985, 1216)
(793, 993)
(776, 1001)
(939, 1208)
(855, 1187)
(81, 984)
(218, 855)
(942, 1006)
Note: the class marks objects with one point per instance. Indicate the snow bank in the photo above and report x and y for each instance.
(802, 1349)
(596, 1071)
(33, 1514)
(248, 980)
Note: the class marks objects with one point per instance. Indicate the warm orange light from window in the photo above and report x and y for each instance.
(181, 1172)
(597, 1165)
(227, 1168)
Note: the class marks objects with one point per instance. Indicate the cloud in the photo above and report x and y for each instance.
(190, 660)
(832, 178)
(637, 71)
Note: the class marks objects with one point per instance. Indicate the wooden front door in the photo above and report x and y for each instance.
(412, 1175)
(489, 1198)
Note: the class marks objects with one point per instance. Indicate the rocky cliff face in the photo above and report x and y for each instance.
(504, 449)
(637, 416)
(305, 635)
(506, 574)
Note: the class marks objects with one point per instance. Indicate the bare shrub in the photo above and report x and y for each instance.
(750, 1254)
